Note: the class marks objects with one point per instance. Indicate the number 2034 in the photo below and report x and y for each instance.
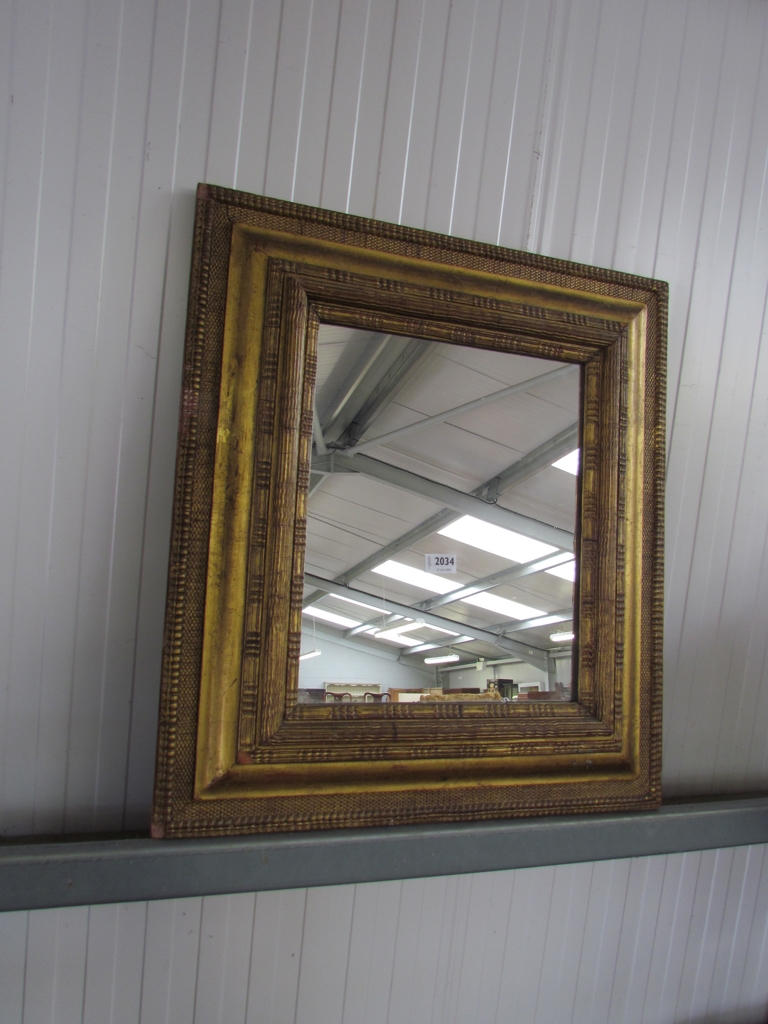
(440, 563)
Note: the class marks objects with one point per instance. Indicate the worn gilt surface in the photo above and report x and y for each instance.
(236, 753)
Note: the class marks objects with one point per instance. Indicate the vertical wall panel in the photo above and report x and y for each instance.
(13, 953)
(483, 947)
(566, 174)
(420, 142)
(423, 907)
(565, 926)
(462, 55)
(738, 916)
(602, 932)
(673, 928)
(177, 152)
(250, 136)
(317, 76)
(114, 958)
(704, 433)
(405, 61)
(54, 983)
(278, 936)
(324, 953)
(506, 152)
(450, 961)
(371, 953)
(226, 930)
(171, 956)
(23, 570)
(526, 938)
(108, 569)
(753, 991)
(288, 99)
(373, 102)
(711, 888)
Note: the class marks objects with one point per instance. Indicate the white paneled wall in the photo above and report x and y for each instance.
(627, 133)
(654, 940)
(624, 133)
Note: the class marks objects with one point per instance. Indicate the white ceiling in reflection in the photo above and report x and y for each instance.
(372, 386)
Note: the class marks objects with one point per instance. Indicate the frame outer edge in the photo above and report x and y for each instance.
(210, 199)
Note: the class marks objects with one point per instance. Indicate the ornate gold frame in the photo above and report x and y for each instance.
(236, 753)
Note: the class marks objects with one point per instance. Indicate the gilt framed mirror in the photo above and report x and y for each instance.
(416, 562)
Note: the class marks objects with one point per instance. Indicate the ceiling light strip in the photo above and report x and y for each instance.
(518, 472)
(453, 498)
(530, 653)
(496, 579)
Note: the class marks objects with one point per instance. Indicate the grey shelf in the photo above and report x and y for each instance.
(61, 874)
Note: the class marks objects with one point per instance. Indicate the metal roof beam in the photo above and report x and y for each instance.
(413, 352)
(459, 501)
(437, 646)
(316, 480)
(517, 626)
(373, 380)
(458, 410)
(357, 643)
(515, 474)
(541, 457)
(337, 411)
(533, 655)
(317, 434)
(405, 540)
(497, 578)
(377, 623)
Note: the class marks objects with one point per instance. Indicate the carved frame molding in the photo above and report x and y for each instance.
(235, 751)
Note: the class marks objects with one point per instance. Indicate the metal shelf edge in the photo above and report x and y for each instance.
(62, 874)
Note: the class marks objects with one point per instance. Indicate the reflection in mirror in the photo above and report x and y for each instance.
(441, 516)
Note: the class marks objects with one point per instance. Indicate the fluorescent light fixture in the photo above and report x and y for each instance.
(416, 577)
(309, 654)
(337, 620)
(569, 463)
(542, 620)
(399, 638)
(563, 637)
(502, 605)
(406, 627)
(376, 629)
(434, 645)
(496, 540)
(427, 625)
(361, 604)
(396, 634)
(566, 571)
(492, 603)
(441, 660)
